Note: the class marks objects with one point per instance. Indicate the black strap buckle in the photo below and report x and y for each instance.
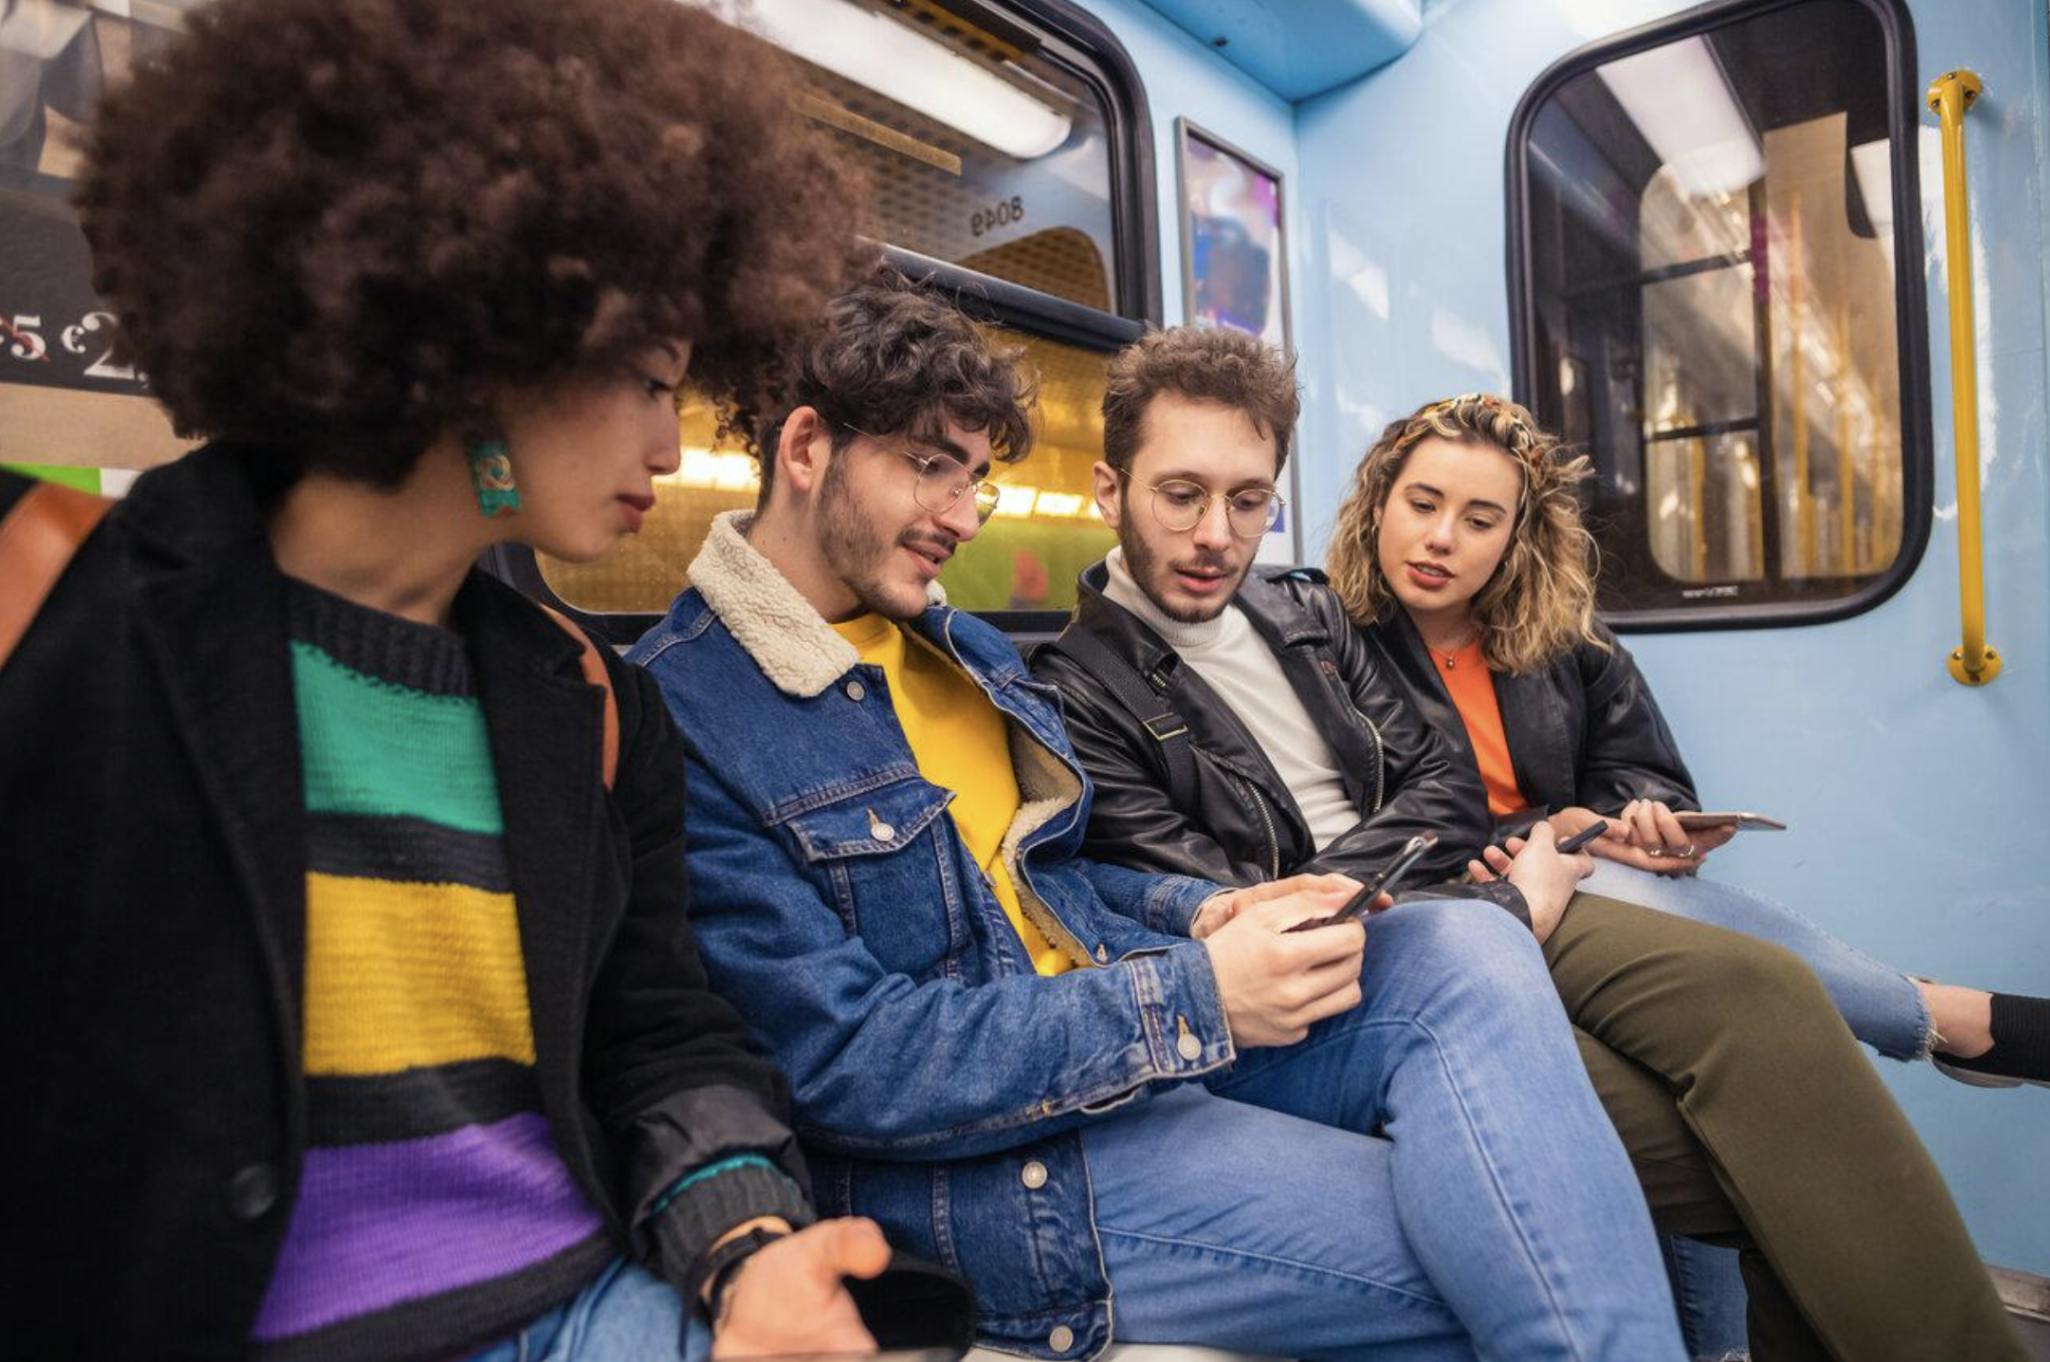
(1170, 717)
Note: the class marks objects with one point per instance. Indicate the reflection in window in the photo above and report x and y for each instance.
(1044, 532)
(69, 400)
(983, 152)
(1711, 254)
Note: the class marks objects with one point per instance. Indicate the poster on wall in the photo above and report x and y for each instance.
(1235, 264)
(1234, 270)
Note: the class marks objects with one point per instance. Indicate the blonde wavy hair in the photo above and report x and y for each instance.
(1540, 602)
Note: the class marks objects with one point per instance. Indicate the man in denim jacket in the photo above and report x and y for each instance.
(1081, 1085)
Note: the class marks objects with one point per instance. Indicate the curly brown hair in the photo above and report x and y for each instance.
(1207, 363)
(336, 229)
(896, 358)
(1540, 602)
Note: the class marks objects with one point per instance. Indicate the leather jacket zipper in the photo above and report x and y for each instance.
(1251, 794)
(1380, 761)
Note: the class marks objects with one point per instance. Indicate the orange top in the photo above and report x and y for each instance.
(1472, 687)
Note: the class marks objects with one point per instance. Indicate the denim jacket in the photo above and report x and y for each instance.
(939, 1083)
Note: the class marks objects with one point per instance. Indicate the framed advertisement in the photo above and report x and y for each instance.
(1235, 265)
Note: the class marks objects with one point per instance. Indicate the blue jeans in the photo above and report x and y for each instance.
(625, 1313)
(1882, 1006)
(1428, 1176)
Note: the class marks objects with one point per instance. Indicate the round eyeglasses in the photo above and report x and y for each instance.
(1180, 506)
(942, 480)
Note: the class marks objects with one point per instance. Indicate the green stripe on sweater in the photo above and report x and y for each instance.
(372, 747)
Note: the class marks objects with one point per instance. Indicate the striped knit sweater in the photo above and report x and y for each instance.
(434, 1211)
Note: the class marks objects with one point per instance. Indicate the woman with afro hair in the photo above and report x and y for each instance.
(354, 1011)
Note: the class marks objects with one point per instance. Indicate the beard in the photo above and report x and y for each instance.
(858, 552)
(1151, 572)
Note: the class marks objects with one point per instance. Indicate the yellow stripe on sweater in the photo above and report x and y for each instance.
(402, 975)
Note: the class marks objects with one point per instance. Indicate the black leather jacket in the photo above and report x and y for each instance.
(1245, 827)
(1583, 730)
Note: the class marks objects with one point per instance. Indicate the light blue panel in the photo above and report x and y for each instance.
(1919, 807)
(1299, 48)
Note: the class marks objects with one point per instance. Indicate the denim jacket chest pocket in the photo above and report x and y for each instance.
(891, 863)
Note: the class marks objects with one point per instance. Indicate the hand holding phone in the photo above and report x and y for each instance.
(1583, 837)
(1361, 904)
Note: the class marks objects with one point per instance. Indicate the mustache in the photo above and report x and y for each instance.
(1209, 562)
(935, 543)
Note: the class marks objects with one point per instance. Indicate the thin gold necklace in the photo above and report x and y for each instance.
(1447, 658)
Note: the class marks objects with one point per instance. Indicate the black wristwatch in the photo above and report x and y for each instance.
(721, 1267)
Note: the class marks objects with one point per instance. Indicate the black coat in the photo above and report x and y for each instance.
(1244, 826)
(1583, 729)
(152, 936)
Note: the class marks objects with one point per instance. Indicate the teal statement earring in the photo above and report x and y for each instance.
(491, 474)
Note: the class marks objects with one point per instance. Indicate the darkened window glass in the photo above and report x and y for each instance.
(1717, 258)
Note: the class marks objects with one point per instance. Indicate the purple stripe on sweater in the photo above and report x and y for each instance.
(378, 1224)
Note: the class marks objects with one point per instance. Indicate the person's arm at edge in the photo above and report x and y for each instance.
(698, 1118)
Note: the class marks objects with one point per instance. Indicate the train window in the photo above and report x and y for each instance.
(1716, 268)
(69, 402)
(982, 150)
(1044, 532)
(1007, 149)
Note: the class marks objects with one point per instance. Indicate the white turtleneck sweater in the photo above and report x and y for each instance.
(1231, 655)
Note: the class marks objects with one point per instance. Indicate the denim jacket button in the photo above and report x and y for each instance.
(1061, 1339)
(1189, 1047)
(882, 832)
(1033, 1175)
(1103, 955)
(855, 691)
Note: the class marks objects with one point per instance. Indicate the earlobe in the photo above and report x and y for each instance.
(802, 449)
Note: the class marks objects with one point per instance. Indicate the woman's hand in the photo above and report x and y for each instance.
(788, 1296)
(1655, 841)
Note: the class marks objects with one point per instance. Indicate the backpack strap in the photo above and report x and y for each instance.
(1143, 702)
(595, 673)
(38, 537)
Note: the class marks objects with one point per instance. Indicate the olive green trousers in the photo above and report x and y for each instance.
(1754, 1119)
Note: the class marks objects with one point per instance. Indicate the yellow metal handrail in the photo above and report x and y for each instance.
(1950, 95)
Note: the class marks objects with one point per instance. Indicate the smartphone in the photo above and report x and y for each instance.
(1583, 837)
(1359, 905)
(1695, 822)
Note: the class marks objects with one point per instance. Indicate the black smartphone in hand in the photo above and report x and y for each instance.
(1583, 837)
(1359, 905)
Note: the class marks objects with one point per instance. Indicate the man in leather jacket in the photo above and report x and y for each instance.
(1235, 725)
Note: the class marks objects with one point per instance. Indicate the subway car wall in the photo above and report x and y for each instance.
(1915, 803)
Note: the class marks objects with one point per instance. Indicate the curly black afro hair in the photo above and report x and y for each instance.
(335, 228)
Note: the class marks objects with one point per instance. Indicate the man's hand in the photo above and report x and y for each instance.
(788, 1297)
(1276, 984)
(1219, 909)
(1535, 866)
